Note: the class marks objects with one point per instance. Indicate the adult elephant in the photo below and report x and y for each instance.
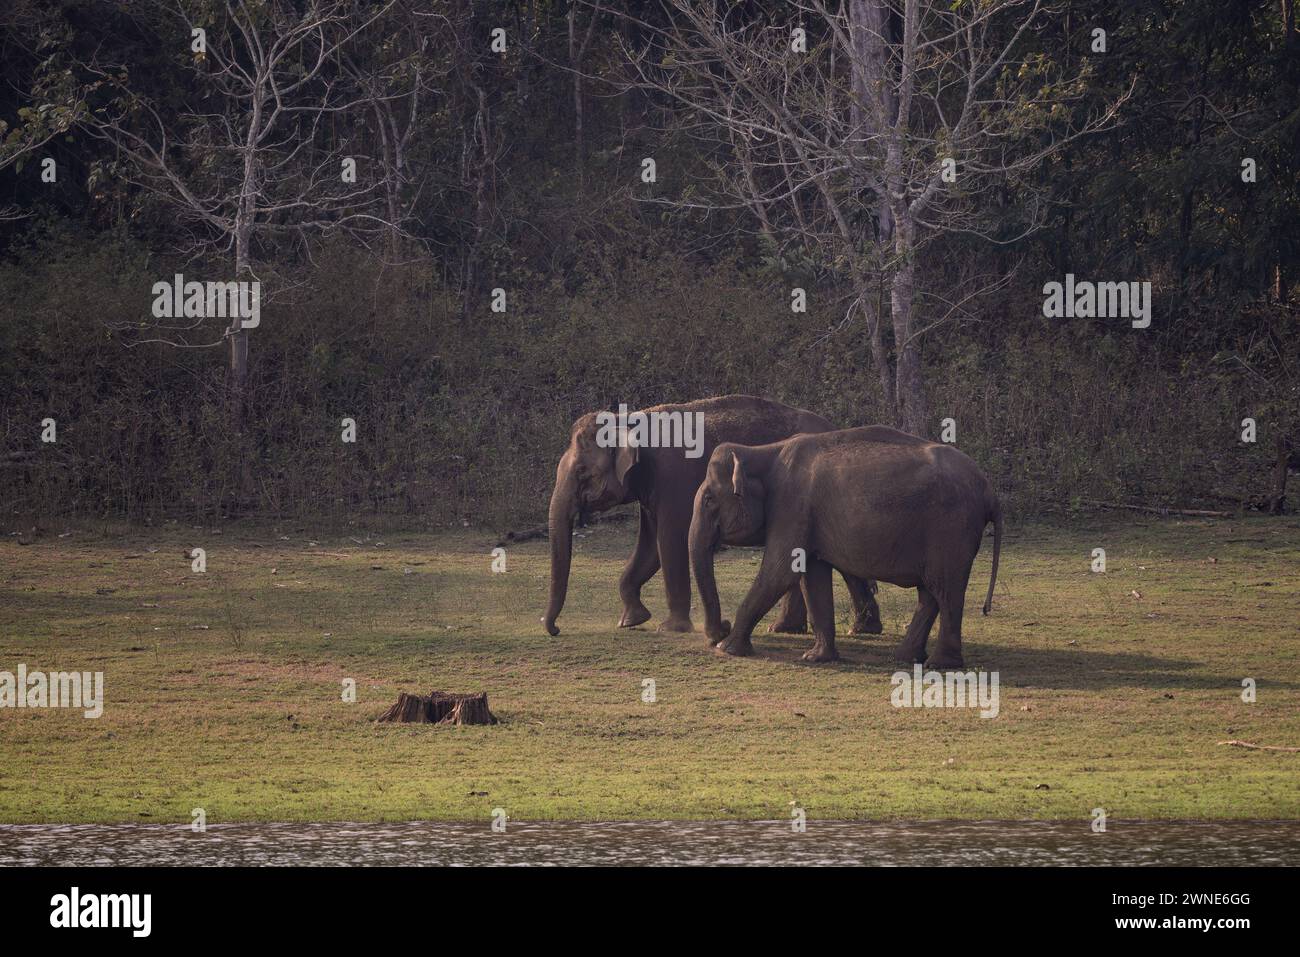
(593, 476)
(872, 502)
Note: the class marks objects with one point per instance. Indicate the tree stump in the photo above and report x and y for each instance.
(409, 707)
(440, 707)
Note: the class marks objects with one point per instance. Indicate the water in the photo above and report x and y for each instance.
(945, 843)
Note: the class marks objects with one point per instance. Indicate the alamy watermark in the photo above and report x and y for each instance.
(651, 430)
(946, 689)
(206, 300)
(75, 909)
(57, 689)
(1098, 300)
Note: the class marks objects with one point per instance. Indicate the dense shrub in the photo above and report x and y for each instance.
(462, 420)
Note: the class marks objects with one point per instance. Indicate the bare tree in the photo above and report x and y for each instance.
(482, 146)
(859, 131)
(397, 82)
(256, 148)
(577, 54)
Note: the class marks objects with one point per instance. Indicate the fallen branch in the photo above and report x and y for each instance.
(1241, 499)
(527, 535)
(1159, 509)
(543, 531)
(1258, 747)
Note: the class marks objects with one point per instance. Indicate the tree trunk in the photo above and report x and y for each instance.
(912, 415)
(574, 65)
(237, 333)
(872, 105)
(238, 382)
(481, 142)
(578, 53)
(1284, 461)
(390, 140)
(869, 289)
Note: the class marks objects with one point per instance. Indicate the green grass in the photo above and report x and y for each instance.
(223, 689)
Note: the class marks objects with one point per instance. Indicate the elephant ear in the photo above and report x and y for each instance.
(737, 476)
(626, 457)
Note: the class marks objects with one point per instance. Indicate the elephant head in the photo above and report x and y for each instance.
(729, 509)
(590, 478)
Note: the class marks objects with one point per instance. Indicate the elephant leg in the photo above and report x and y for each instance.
(793, 619)
(640, 568)
(947, 650)
(775, 578)
(674, 558)
(918, 630)
(819, 590)
(866, 613)
(949, 587)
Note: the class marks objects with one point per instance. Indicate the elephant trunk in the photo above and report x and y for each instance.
(702, 540)
(563, 509)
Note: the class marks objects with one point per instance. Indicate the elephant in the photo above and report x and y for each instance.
(871, 502)
(592, 477)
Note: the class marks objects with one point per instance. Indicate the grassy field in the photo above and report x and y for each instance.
(223, 690)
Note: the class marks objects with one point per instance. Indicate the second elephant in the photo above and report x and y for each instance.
(872, 502)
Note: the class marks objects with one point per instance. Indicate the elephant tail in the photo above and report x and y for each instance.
(996, 516)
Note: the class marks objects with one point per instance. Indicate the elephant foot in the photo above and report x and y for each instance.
(676, 624)
(871, 626)
(788, 627)
(717, 635)
(634, 615)
(819, 653)
(945, 663)
(736, 647)
(910, 655)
